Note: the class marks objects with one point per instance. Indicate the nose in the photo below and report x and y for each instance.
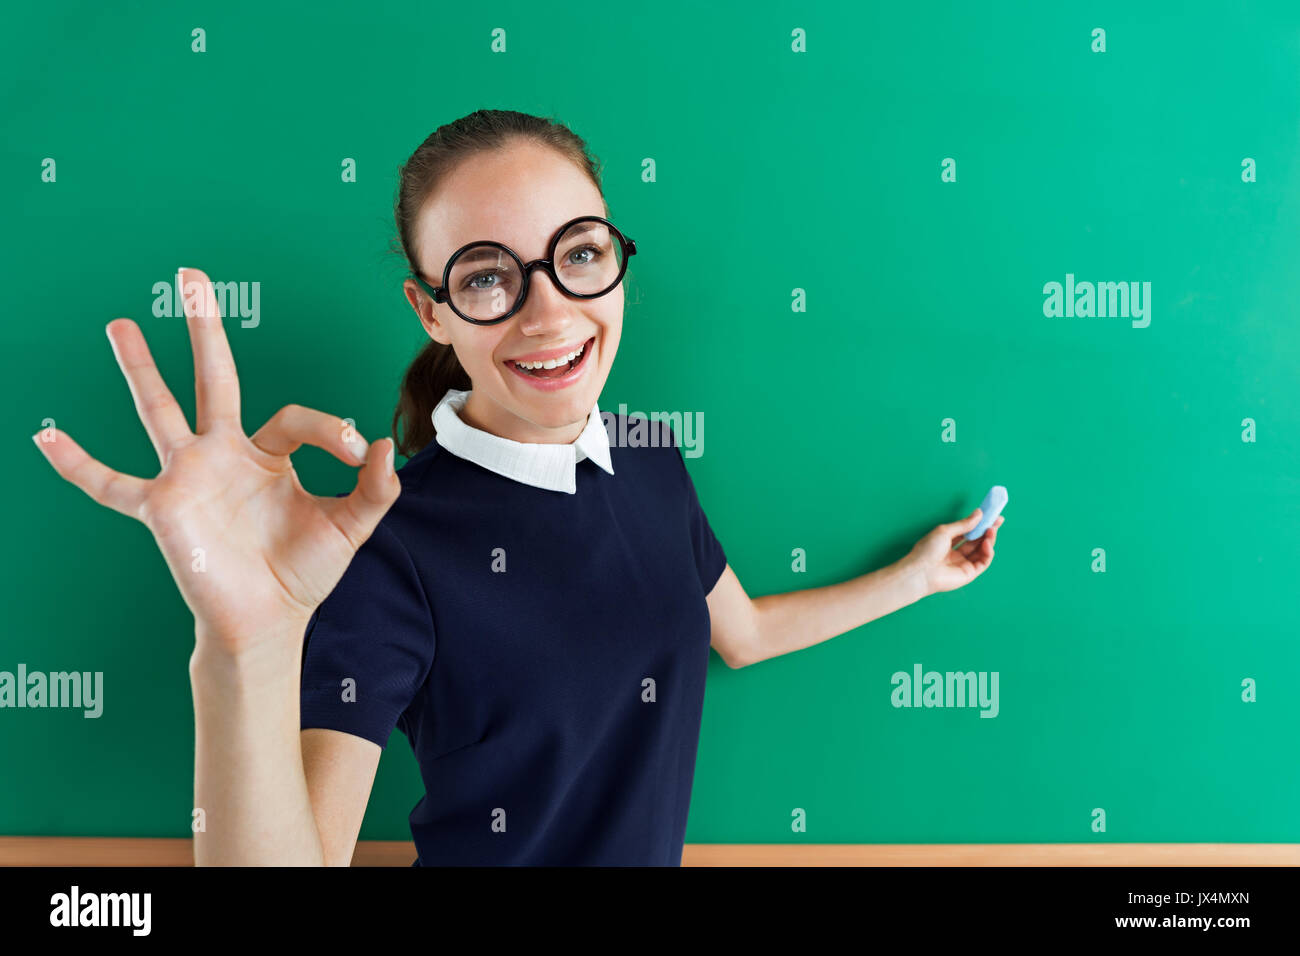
(546, 309)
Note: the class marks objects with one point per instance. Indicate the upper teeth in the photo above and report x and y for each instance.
(552, 363)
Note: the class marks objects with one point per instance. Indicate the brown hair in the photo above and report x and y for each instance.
(436, 367)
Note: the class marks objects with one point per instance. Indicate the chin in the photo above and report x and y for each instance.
(555, 412)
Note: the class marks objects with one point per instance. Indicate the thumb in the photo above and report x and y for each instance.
(377, 488)
(970, 521)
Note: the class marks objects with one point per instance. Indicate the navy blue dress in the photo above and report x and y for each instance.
(544, 653)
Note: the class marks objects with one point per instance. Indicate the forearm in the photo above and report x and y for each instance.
(798, 619)
(248, 769)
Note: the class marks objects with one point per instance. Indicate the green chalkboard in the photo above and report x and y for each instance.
(844, 265)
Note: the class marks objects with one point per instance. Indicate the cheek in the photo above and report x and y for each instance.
(612, 322)
(477, 351)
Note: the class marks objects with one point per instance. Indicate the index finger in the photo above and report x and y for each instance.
(216, 384)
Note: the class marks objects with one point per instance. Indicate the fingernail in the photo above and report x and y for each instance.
(389, 459)
(359, 448)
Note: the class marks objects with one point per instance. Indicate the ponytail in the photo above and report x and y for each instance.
(435, 370)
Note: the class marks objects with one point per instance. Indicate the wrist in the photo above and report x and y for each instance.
(262, 656)
(915, 579)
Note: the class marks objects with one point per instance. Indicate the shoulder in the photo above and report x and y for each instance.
(421, 478)
(414, 474)
(649, 449)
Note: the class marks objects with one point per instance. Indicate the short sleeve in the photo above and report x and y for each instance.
(710, 559)
(370, 644)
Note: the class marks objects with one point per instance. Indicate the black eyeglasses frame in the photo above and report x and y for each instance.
(441, 295)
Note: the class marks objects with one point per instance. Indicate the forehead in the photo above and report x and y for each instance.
(519, 196)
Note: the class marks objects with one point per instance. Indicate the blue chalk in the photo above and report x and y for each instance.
(990, 508)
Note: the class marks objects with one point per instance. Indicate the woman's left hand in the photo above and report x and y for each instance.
(944, 567)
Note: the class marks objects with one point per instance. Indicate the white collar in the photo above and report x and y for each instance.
(543, 465)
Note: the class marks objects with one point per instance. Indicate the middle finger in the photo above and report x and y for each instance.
(216, 384)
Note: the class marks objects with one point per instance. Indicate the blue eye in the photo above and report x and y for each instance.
(480, 275)
(595, 254)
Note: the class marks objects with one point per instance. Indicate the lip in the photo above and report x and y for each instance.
(554, 384)
(544, 356)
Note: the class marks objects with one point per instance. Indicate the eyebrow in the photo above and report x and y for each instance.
(486, 254)
(492, 253)
(586, 228)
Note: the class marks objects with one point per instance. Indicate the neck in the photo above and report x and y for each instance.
(482, 413)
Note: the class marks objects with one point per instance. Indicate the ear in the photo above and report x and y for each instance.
(424, 308)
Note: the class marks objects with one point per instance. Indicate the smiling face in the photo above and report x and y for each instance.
(519, 196)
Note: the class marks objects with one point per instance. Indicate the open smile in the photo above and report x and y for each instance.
(556, 372)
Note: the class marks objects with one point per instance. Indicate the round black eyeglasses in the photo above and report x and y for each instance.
(485, 282)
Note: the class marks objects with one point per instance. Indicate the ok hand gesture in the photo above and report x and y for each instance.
(252, 552)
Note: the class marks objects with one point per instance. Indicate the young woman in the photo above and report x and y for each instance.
(535, 610)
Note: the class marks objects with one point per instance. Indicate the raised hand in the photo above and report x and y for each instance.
(250, 549)
(947, 560)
